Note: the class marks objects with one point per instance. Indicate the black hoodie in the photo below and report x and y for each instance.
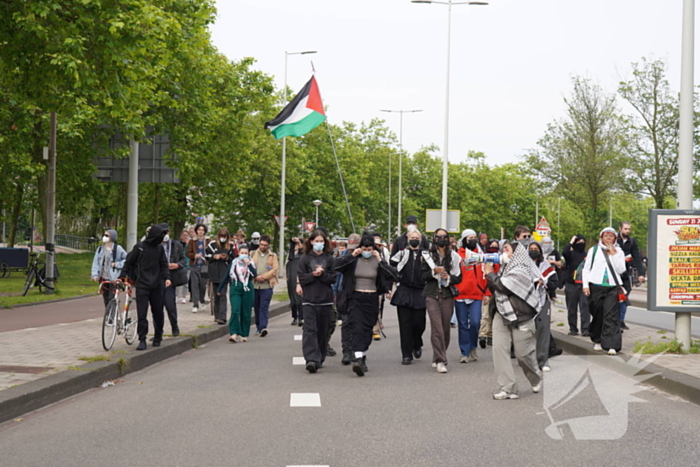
(147, 260)
(573, 257)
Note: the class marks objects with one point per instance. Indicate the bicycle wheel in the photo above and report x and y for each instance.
(31, 276)
(109, 325)
(4, 270)
(130, 322)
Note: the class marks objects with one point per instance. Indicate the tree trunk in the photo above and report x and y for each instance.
(15, 215)
(42, 180)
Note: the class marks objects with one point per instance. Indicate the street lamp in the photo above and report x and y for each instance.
(400, 112)
(317, 203)
(449, 3)
(284, 161)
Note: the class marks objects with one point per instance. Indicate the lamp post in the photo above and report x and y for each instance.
(317, 203)
(449, 3)
(284, 162)
(400, 112)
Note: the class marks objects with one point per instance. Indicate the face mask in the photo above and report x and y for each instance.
(414, 243)
(525, 242)
(471, 244)
(255, 241)
(534, 254)
(492, 249)
(411, 228)
(441, 243)
(243, 256)
(319, 246)
(106, 239)
(579, 247)
(504, 258)
(366, 254)
(223, 239)
(166, 238)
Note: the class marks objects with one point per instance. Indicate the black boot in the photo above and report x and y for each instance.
(347, 358)
(489, 341)
(363, 362)
(331, 352)
(142, 345)
(482, 342)
(311, 367)
(624, 326)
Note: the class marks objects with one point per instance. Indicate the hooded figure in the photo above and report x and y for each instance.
(107, 264)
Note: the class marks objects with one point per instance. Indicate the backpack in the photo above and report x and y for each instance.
(578, 273)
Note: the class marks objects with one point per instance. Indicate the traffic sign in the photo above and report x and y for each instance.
(277, 219)
(310, 226)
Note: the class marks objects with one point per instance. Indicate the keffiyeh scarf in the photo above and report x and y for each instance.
(519, 276)
(240, 272)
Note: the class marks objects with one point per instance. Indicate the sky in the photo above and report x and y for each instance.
(511, 61)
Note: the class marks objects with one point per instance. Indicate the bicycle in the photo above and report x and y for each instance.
(115, 323)
(634, 277)
(37, 277)
(4, 270)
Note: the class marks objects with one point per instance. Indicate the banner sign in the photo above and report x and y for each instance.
(674, 260)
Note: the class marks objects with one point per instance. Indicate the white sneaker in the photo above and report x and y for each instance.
(441, 368)
(463, 359)
(183, 301)
(597, 347)
(339, 322)
(612, 352)
(232, 338)
(195, 309)
(434, 364)
(546, 368)
(502, 395)
(537, 388)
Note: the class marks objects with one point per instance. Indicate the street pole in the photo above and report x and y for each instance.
(685, 141)
(132, 203)
(51, 208)
(610, 217)
(283, 177)
(558, 223)
(388, 221)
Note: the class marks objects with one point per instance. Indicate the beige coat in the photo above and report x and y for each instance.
(270, 273)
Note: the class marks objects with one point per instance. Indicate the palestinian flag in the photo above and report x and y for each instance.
(302, 115)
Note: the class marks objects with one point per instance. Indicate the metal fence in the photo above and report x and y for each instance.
(78, 243)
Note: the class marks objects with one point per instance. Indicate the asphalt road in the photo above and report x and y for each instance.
(229, 404)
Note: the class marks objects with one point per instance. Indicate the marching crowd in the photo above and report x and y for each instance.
(497, 293)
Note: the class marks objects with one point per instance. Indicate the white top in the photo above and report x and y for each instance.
(594, 272)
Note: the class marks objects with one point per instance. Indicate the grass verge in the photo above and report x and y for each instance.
(96, 358)
(667, 346)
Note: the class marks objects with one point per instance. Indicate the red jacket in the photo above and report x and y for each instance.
(473, 285)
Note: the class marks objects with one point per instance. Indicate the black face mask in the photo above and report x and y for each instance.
(471, 244)
(414, 243)
(442, 243)
(492, 249)
(579, 247)
(534, 254)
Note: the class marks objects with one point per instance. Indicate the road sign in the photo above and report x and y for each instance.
(433, 220)
(277, 219)
(310, 226)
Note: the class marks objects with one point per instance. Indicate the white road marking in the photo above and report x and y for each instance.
(298, 361)
(297, 337)
(308, 466)
(308, 399)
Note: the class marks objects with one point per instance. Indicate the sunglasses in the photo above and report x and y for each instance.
(526, 236)
(441, 236)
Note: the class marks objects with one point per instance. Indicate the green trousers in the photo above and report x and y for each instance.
(241, 308)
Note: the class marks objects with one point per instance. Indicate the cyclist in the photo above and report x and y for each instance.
(107, 263)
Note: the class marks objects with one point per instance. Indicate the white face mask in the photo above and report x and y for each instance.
(504, 258)
(166, 238)
(411, 228)
(106, 239)
(223, 239)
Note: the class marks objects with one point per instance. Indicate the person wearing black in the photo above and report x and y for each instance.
(401, 242)
(296, 249)
(174, 252)
(219, 254)
(632, 260)
(148, 263)
(575, 252)
(365, 275)
(408, 298)
(316, 276)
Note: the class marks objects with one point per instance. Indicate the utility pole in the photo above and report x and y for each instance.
(51, 209)
(132, 205)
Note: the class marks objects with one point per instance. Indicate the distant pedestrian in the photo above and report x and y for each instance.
(178, 275)
(316, 277)
(547, 293)
(471, 293)
(219, 254)
(296, 250)
(182, 290)
(576, 301)
(342, 297)
(107, 264)
(386, 256)
(147, 261)
(633, 260)
(254, 241)
(267, 265)
(240, 276)
(196, 251)
(485, 332)
(440, 271)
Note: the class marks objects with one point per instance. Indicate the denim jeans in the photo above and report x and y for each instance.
(262, 307)
(469, 321)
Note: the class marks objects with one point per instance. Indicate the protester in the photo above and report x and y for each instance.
(377, 330)
(147, 260)
(219, 254)
(440, 270)
(267, 266)
(514, 304)
(341, 303)
(632, 260)
(471, 293)
(401, 242)
(296, 249)
(485, 333)
(408, 298)
(182, 290)
(544, 314)
(523, 235)
(365, 275)
(107, 264)
(576, 301)
(254, 242)
(196, 250)
(316, 276)
(483, 242)
(601, 284)
(178, 276)
(240, 275)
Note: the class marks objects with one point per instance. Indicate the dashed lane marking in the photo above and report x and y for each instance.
(297, 337)
(298, 361)
(305, 399)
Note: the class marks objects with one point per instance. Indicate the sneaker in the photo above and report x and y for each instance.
(357, 368)
(240, 339)
(482, 342)
(244, 339)
(489, 341)
(612, 352)
(624, 326)
(142, 345)
(347, 358)
(301, 323)
(597, 347)
(339, 322)
(453, 325)
(195, 309)
(232, 338)
(257, 332)
(546, 368)
(463, 359)
(537, 387)
(573, 333)
(295, 322)
(330, 351)
(441, 368)
(376, 336)
(263, 333)
(183, 301)
(502, 395)
(472, 355)
(433, 365)
(586, 334)
(311, 367)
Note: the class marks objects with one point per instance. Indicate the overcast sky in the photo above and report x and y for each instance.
(512, 60)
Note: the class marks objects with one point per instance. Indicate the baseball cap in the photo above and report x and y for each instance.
(411, 219)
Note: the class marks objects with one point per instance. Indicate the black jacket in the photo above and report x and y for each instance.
(147, 260)
(177, 256)
(317, 289)
(522, 309)
(630, 248)
(401, 242)
(432, 287)
(218, 267)
(573, 258)
(409, 276)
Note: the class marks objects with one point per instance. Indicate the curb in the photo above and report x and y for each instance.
(667, 380)
(21, 305)
(35, 395)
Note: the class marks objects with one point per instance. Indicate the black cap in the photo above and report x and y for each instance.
(164, 226)
(410, 219)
